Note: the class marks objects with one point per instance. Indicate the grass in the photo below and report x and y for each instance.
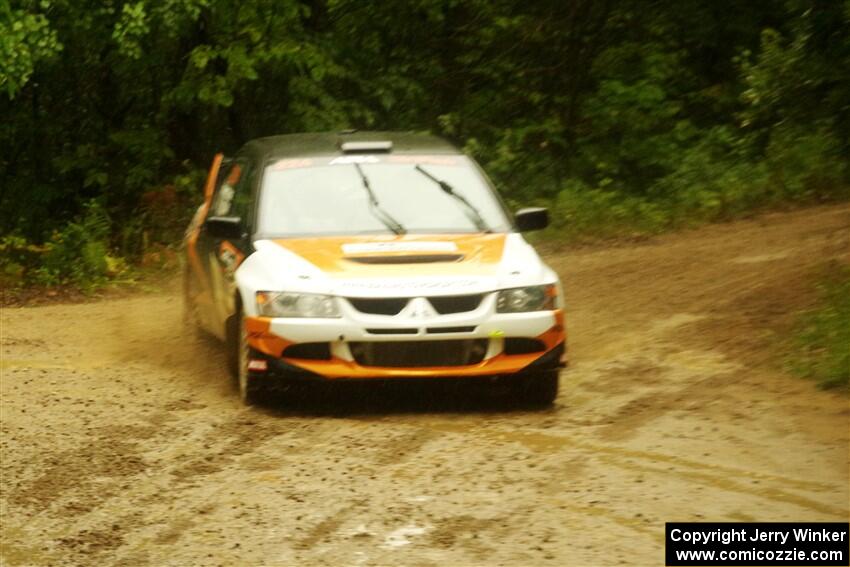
(821, 343)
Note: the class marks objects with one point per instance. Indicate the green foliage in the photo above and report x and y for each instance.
(623, 119)
(16, 256)
(806, 164)
(25, 41)
(130, 30)
(822, 339)
(581, 213)
(78, 254)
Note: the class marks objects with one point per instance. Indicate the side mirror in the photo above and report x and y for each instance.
(229, 228)
(531, 218)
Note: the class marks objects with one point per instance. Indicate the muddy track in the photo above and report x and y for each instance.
(123, 442)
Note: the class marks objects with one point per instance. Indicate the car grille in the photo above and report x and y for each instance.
(455, 303)
(379, 306)
(459, 329)
(444, 305)
(417, 354)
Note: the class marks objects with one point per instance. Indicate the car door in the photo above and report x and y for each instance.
(221, 256)
(197, 283)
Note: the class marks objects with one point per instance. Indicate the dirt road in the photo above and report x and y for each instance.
(124, 443)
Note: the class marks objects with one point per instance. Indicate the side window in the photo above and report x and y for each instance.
(233, 195)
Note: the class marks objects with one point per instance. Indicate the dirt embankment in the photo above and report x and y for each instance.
(123, 441)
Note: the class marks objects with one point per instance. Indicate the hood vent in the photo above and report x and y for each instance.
(406, 259)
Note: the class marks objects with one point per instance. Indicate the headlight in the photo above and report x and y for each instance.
(288, 304)
(523, 299)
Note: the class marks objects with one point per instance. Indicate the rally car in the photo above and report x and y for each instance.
(370, 255)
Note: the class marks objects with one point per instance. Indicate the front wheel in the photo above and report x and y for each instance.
(539, 389)
(250, 389)
(191, 317)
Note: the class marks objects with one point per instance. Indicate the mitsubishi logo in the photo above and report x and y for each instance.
(419, 308)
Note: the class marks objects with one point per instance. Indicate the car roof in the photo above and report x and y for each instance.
(328, 143)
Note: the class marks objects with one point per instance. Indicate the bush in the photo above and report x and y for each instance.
(16, 254)
(806, 165)
(78, 254)
(822, 340)
(716, 177)
(580, 212)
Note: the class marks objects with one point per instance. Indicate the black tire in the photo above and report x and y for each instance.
(190, 307)
(539, 389)
(249, 385)
(232, 340)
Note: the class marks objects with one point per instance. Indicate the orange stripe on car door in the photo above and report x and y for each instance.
(191, 247)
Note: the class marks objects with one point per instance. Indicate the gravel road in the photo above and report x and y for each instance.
(124, 443)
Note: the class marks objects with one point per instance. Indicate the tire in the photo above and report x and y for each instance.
(539, 389)
(249, 384)
(190, 308)
(232, 339)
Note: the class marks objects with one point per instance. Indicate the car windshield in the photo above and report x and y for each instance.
(328, 196)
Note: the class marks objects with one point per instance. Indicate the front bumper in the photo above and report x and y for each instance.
(285, 370)
(270, 338)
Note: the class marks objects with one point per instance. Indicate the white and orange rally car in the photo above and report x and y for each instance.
(370, 256)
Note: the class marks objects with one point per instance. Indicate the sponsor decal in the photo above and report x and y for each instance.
(424, 160)
(291, 164)
(348, 160)
(230, 257)
(396, 159)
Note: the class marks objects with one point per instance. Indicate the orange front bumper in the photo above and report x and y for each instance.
(263, 341)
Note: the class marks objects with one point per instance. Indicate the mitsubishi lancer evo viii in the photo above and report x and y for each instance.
(363, 256)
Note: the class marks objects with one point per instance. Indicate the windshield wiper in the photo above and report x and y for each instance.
(473, 213)
(375, 207)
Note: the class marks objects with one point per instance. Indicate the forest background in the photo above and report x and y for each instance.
(625, 117)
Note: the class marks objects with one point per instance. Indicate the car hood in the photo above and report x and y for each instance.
(404, 265)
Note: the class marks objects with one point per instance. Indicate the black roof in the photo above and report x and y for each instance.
(328, 143)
